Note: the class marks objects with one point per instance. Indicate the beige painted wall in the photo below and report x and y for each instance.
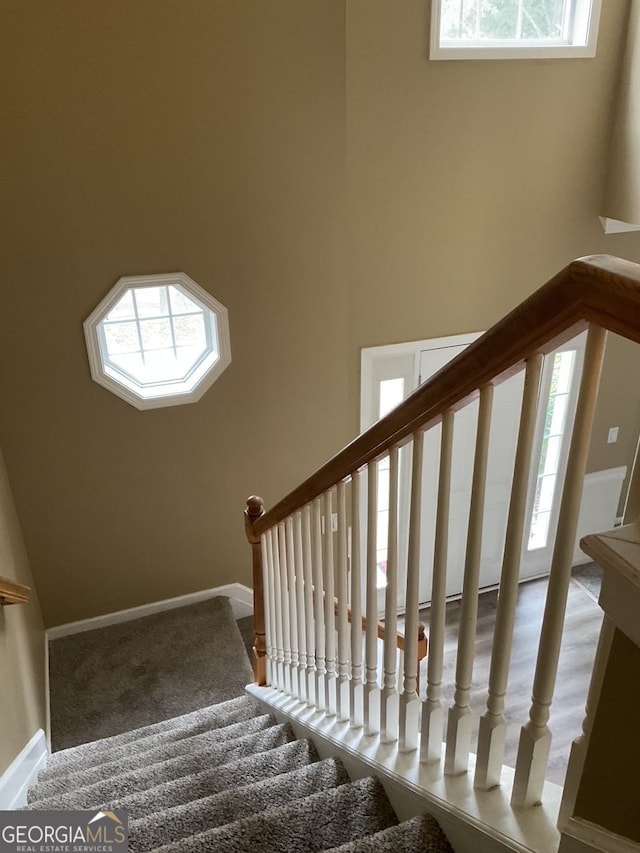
(149, 137)
(304, 162)
(22, 679)
(471, 184)
(622, 196)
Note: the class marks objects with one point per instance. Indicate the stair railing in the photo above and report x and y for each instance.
(299, 562)
(12, 592)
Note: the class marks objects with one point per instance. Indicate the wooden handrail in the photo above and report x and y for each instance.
(600, 289)
(13, 593)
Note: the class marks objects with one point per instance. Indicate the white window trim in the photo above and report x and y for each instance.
(586, 18)
(202, 375)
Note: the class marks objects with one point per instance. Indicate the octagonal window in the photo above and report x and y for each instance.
(158, 340)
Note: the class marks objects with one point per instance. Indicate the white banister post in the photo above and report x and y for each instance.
(284, 597)
(299, 583)
(342, 684)
(535, 736)
(277, 598)
(318, 605)
(266, 585)
(409, 699)
(309, 617)
(580, 745)
(493, 723)
(356, 684)
(432, 710)
(292, 570)
(389, 700)
(329, 609)
(371, 687)
(459, 718)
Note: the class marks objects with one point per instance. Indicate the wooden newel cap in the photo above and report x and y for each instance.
(255, 506)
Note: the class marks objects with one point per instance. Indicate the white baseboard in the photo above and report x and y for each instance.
(22, 773)
(582, 836)
(240, 597)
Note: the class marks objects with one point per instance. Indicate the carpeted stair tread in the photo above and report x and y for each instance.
(316, 823)
(142, 778)
(151, 669)
(231, 776)
(173, 824)
(192, 745)
(421, 834)
(119, 746)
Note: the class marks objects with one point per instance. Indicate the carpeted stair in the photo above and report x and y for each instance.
(229, 778)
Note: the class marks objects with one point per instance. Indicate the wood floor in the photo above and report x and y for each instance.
(582, 628)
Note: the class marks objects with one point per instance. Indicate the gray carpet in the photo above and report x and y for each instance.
(119, 678)
(225, 778)
(589, 576)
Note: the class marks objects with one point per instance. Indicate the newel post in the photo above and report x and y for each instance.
(253, 512)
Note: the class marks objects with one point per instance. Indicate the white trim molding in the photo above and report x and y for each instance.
(22, 773)
(240, 597)
(582, 836)
(201, 371)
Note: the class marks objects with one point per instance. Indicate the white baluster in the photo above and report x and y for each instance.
(432, 710)
(318, 606)
(329, 610)
(409, 699)
(266, 585)
(299, 583)
(277, 603)
(309, 617)
(357, 689)
(535, 736)
(293, 610)
(342, 684)
(371, 687)
(389, 700)
(284, 599)
(459, 719)
(493, 723)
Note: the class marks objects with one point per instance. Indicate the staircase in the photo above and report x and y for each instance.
(229, 778)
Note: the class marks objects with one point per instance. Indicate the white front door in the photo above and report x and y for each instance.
(502, 446)
(389, 374)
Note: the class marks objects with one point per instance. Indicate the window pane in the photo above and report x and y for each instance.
(121, 337)
(550, 454)
(190, 331)
(558, 414)
(156, 334)
(152, 301)
(539, 530)
(562, 370)
(123, 309)
(391, 393)
(474, 20)
(181, 303)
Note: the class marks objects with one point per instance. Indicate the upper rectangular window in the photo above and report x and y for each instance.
(513, 29)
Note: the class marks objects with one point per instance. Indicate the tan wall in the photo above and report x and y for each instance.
(471, 184)
(22, 679)
(608, 793)
(622, 196)
(149, 137)
(223, 139)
